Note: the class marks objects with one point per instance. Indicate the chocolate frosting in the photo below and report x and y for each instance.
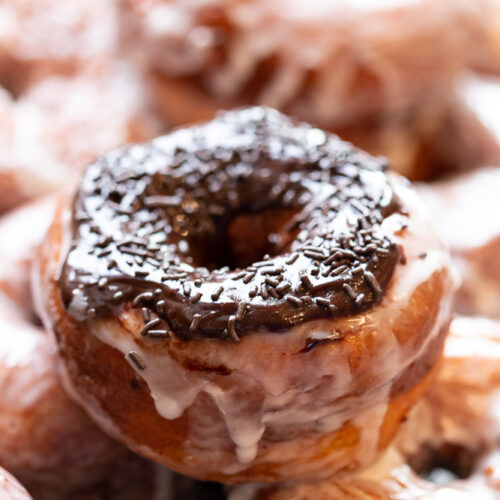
(150, 223)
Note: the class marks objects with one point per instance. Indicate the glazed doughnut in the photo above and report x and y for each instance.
(47, 440)
(332, 63)
(438, 138)
(296, 364)
(62, 123)
(465, 209)
(39, 38)
(454, 425)
(90, 113)
(20, 179)
(10, 488)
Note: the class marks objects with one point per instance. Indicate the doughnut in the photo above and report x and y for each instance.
(47, 441)
(97, 109)
(10, 488)
(64, 122)
(20, 178)
(455, 425)
(40, 38)
(436, 139)
(331, 63)
(251, 299)
(465, 208)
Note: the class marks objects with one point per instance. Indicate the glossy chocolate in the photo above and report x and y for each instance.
(150, 228)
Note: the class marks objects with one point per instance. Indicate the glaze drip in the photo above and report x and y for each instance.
(146, 217)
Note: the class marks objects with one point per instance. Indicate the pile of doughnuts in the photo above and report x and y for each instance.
(256, 304)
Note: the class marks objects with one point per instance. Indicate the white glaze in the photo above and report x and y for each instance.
(53, 33)
(20, 386)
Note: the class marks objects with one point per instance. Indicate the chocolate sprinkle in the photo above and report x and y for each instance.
(138, 362)
(186, 187)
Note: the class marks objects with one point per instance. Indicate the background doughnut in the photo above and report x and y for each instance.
(331, 64)
(350, 72)
(20, 233)
(63, 122)
(438, 138)
(486, 53)
(40, 38)
(465, 208)
(481, 94)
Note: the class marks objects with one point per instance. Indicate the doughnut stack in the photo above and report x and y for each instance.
(217, 281)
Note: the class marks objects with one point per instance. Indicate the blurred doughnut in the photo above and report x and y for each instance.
(86, 115)
(451, 437)
(39, 38)
(24, 170)
(436, 138)
(467, 211)
(10, 488)
(460, 412)
(62, 123)
(331, 63)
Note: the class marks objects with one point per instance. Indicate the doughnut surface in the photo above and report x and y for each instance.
(43, 38)
(63, 122)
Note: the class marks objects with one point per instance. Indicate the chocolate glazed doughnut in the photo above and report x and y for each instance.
(250, 299)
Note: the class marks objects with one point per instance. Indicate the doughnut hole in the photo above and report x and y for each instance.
(248, 238)
(447, 463)
(252, 236)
